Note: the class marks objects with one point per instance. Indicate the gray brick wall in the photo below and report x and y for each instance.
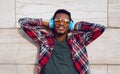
(18, 53)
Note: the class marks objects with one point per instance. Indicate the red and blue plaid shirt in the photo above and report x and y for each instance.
(84, 33)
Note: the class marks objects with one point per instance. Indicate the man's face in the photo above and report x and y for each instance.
(61, 22)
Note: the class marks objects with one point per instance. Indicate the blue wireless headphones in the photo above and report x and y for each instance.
(51, 24)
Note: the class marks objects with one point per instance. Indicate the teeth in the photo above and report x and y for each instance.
(61, 28)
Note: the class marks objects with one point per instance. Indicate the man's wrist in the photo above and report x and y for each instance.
(45, 24)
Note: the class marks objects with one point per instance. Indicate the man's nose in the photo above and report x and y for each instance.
(61, 23)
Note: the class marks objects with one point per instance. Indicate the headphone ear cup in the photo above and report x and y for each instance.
(51, 23)
(71, 25)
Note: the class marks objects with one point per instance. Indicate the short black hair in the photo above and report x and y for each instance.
(62, 11)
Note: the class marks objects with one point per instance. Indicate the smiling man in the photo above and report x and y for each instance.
(61, 25)
(63, 49)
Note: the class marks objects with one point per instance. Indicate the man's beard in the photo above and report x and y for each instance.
(60, 34)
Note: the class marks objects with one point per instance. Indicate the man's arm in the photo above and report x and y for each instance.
(31, 27)
(91, 31)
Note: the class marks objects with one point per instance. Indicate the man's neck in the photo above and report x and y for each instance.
(60, 37)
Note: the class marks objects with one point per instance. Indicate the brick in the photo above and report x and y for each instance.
(114, 13)
(26, 69)
(105, 50)
(81, 10)
(7, 14)
(113, 69)
(98, 69)
(8, 69)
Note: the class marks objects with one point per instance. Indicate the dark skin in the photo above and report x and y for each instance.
(60, 29)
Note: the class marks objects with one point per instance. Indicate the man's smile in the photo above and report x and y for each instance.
(60, 28)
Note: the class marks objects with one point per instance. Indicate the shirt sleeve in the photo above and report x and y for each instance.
(31, 28)
(91, 31)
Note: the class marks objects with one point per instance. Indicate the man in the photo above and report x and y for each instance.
(63, 49)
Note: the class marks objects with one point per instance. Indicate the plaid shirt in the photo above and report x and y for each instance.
(84, 33)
